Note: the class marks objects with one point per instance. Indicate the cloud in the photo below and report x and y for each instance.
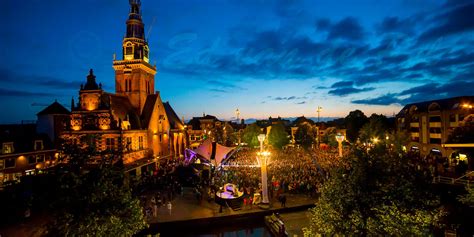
(218, 90)
(396, 25)
(21, 93)
(349, 90)
(342, 84)
(323, 24)
(226, 85)
(429, 91)
(347, 29)
(289, 98)
(9, 76)
(455, 21)
(301, 103)
(387, 99)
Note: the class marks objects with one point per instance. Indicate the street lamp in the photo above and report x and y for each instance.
(263, 157)
(340, 139)
(319, 125)
(261, 138)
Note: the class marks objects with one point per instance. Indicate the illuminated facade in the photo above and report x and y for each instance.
(24, 152)
(430, 123)
(133, 120)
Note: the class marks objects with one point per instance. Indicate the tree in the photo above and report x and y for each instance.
(250, 135)
(230, 136)
(468, 198)
(465, 134)
(354, 122)
(306, 134)
(94, 201)
(278, 137)
(330, 137)
(376, 193)
(376, 127)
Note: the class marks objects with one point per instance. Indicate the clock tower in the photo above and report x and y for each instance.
(134, 75)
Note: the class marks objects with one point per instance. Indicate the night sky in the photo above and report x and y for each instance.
(267, 58)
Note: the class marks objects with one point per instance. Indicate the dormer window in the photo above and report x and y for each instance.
(7, 148)
(39, 145)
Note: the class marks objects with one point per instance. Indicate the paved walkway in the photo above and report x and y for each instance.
(186, 207)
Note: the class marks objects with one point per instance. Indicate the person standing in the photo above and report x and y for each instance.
(170, 206)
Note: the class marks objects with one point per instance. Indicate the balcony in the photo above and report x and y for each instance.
(453, 124)
(415, 124)
(435, 135)
(435, 124)
(415, 134)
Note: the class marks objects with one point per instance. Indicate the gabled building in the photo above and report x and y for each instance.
(133, 120)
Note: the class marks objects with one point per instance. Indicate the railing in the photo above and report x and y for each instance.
(463, 180)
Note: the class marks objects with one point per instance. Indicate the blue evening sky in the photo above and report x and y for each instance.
(267, 58)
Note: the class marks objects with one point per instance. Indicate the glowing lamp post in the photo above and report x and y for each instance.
(340, 139)
(263, 157)
(261, 138)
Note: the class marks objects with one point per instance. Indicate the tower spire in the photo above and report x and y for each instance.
(134, 76)
(135, 26)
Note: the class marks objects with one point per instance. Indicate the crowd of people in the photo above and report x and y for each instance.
(291, 170)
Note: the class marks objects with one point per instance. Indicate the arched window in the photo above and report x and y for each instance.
(434, 107)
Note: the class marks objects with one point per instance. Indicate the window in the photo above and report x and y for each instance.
(128, 85)
(452, 118)
(193, 138)
(2, 164)
(128, 50)
(40, 158)
(435, 118)
(38, 145)
(128, 144)
(140, 142)
(110, 144)
(10, 162)
(7, 148)
(31, 159)
(435, 141)
(145, 52)
(161, 137)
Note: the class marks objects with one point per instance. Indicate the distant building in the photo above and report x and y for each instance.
(134, 120)
(272, 121)
(200, 128)
(24, 152)
(430, 123)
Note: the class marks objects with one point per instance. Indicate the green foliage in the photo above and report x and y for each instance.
(468, 198)
(377, 127)
(377, 193)
(330, 138)
(354, 122)
(250, 135)
(278, 137)
(94, 201)
(463, 134)
(306, 134)
(230, 136)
